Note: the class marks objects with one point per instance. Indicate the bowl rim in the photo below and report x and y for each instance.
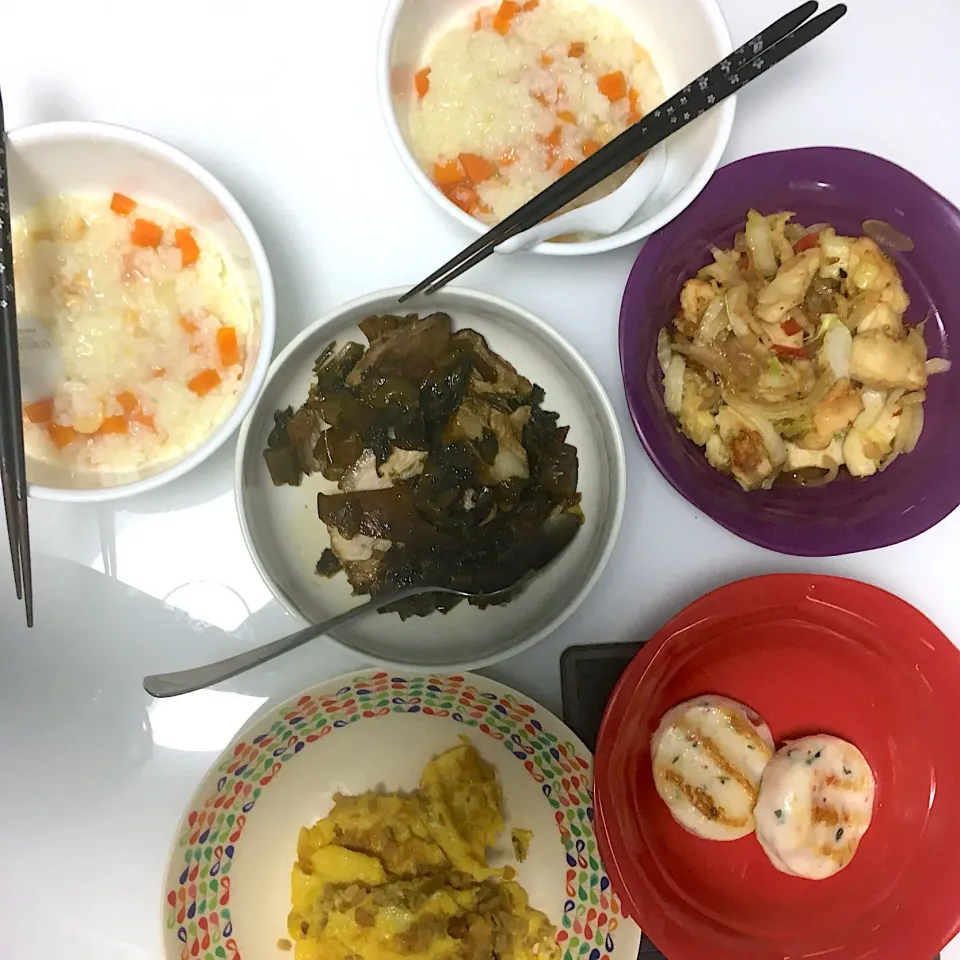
(67, 130)
(616, 466)
(762, 536)
(623, 237)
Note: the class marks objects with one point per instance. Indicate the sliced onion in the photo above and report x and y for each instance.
(760, 244)
(673, 385)
(873, 402)
(790, 409)
(776, 448)
(937, 365)
(738, 309)
(707, 357)
(916, 340)
(823, 480)
(837, 345)
(912, 432)
(886, 235)
(909, 428)
(664, 353)
(714, 320)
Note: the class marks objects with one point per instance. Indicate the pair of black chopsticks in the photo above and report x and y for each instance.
(746, 63)
(13, 462)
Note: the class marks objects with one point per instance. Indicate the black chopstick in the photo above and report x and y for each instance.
(13, 467)
(756, 56)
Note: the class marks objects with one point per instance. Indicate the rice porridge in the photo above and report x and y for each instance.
(511, 100)
(151, 327)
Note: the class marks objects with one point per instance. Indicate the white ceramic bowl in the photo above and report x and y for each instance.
(286, 537)
(79, 157)
(684, 38)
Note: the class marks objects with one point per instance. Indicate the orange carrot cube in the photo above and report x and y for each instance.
(204, 382)
(121, 204)
(146, 233)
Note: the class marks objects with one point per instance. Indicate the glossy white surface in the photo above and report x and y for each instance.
(94, 775)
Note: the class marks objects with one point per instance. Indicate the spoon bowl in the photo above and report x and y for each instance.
(603, 217)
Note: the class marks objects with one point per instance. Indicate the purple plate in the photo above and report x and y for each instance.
(844, 188)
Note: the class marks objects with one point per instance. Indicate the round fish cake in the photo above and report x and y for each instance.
(708, 757)
(815, 805)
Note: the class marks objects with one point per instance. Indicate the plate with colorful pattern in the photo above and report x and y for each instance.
(227, 885)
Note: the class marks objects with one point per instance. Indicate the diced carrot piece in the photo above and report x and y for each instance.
(807, 242)
(508, 10)
(158, 372)
(121, 204)
(464, 196)
(61, 435)
(189, 250)
(146, 233)
(128, 401)
(567, 166)
(478, 22)
(145, 419)
(568, 116)
(635, 113)
(39, 412)
(553, 138)
(113, 425)
(541, 98)
(545, 59)
(421, 82)
(477, 168)
(576, 49)
(204, 382)
(447, 174)
(228, 346)
(188, 325)
(613, 86)
(508, 158)
(590, 147)
(531, 5)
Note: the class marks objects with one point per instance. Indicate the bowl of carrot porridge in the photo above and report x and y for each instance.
(145, 305)
(490, 103)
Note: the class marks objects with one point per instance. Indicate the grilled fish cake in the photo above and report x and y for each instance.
(708, 757)
(816, 803)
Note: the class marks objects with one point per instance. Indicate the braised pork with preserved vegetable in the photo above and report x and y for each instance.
(449, 471)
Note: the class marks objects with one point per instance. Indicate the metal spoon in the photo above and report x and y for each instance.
(538, 554)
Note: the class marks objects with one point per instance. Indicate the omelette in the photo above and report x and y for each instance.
(386, 876)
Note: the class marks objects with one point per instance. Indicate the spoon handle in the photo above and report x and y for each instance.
(186, 681)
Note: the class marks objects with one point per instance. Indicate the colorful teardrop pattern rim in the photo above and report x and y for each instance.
(197, 908)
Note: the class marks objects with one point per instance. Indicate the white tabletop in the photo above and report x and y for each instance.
(282, 107)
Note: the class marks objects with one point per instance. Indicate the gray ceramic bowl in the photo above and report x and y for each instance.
(286, 537)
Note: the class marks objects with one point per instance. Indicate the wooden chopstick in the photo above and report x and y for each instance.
(782, 38)
(13, 465)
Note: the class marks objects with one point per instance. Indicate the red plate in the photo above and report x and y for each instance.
(810, 654)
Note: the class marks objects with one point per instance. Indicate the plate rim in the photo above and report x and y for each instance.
(615, 456)
(627, 925)
(689, 617)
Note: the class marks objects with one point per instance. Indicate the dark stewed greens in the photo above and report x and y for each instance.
(448, 467)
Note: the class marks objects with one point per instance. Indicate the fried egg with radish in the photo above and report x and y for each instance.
(708, 755)
(815, 805)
